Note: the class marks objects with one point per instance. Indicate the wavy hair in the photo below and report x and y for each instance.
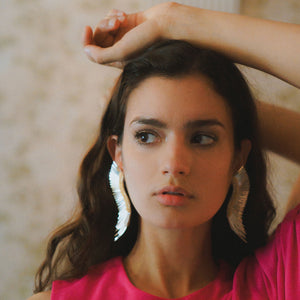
(88, 237)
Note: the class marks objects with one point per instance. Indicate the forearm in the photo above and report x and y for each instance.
(270, 46)
(280, 130)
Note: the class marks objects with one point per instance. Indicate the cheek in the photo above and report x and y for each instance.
(214, 176)
(218, 171)
(137, 172)
(138, 181)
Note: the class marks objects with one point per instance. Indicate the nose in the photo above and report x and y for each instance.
(177, 159)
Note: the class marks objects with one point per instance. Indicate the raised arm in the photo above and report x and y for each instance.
(270, 46)
(280, 130)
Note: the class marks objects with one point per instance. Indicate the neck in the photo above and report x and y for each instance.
(171, 263)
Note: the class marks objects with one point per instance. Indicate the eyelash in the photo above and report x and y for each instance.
(139, 135)
(212, 137)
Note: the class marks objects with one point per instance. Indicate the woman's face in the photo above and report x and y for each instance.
(177, 151)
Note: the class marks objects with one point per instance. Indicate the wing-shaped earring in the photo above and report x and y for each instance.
(237, 203)
(116, 181)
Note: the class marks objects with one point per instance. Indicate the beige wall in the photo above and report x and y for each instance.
(51, 97)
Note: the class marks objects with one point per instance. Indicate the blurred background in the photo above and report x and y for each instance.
(51, 100)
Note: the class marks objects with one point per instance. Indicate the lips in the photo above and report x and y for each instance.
(173, 196)
(174, 190)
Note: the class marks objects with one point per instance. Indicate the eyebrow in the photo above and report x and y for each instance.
(189, 125)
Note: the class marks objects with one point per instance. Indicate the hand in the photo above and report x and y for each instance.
(120, 36)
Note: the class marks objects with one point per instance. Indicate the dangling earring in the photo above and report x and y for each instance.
(116, 181)
(237, 203)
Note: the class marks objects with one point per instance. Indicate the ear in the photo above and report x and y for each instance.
(115, 150)
(242, 155)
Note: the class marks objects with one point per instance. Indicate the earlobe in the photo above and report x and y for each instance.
(115, 150)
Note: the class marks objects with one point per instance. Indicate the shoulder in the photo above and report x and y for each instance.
(41, 296)
(112, 266)
(99, 279)
(278, 262)
(294, 199)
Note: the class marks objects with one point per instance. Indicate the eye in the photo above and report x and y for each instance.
(203, 139)
(145, 137)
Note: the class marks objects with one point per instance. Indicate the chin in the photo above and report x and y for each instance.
(174, 223)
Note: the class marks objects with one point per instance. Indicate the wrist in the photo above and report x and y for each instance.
(192, 24)
(171, 20)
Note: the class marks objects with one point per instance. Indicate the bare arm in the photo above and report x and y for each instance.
(280, 129)
(270, 46)
(294, 198)
(41, 296)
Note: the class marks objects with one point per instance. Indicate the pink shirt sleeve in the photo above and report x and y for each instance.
(274, 271)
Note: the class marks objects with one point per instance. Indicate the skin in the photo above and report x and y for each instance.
(41, 296)
(199, 158)
(120, 36)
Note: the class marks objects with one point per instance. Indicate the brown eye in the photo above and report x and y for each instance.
(203, 139)
(145, 137)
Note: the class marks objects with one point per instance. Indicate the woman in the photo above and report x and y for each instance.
(181, 126)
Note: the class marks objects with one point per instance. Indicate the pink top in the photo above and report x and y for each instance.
(273, 273)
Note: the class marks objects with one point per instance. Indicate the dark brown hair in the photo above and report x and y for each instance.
(88, 237)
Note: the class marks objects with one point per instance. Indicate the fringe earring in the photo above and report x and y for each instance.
(237, 203)
(116, 181)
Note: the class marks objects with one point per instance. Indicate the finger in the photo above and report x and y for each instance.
(107, 38)
(112, 23)
(87, 37)
(117, 64)
(88, 54)
(132, 43)
(115, 12)
(105, 30)
(108, 41)
(100, 36)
